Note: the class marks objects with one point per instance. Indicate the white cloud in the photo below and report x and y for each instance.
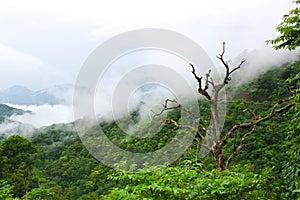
(259, 61)
(62, 33)
(12, 60)
(44, 115)
(8, 128)
(21, 68)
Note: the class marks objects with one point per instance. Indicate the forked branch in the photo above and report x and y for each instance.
(254, 122)
(166, 107)
(202, 90)
(193, 127)
(228, 72)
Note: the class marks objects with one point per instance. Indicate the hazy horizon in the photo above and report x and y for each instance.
(45, 43)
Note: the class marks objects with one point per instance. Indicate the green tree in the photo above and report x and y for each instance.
(292, 167)
(17, 170)
(289, 38)
(289, 30)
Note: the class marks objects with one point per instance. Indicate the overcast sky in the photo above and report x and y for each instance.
(43, 43)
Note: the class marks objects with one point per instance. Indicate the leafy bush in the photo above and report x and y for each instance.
(190, 183)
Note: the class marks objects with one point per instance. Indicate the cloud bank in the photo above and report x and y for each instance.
(59, 35)
(44, 115)
(146, 98)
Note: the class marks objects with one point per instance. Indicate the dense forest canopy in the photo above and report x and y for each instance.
(57, 165)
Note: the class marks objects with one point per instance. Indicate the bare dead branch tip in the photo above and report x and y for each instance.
(228, 72)
(166, 107)
(201, 90)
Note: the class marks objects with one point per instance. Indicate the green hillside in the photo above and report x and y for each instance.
(270, 86)
(7, 111)
(54, 164)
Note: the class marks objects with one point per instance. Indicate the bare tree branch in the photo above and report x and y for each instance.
(255, 122)
(241, 146)
(201, 90)
(227, 77)
(179, 126)
(236, 68)
(165, 107)
(193, 128)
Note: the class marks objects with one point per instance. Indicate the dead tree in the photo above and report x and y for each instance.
(211, 90)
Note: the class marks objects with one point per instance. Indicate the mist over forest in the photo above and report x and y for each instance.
(54, 105)
(109, 100)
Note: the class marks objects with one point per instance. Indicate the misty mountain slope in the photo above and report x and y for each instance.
(69, 171)
(7, 111)
(58, 94)
(268, 86)
(11, 127)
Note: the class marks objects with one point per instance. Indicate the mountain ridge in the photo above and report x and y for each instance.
(21, 95)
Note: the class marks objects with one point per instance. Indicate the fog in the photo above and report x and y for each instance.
(123, 90)
(9, 127)
(43, 115)
(44, 43)
(260, 61)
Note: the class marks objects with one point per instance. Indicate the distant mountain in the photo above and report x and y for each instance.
(59, 94)
(15, 94)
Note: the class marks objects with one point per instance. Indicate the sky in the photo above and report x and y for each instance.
(45, 43)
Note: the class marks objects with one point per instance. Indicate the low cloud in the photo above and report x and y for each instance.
(12, 60)
(132, 95)
(39, 117)
(9, 127)
(260, 61)
(44, 115)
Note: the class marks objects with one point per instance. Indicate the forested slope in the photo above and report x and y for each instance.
(7, 111)
(54, 164)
